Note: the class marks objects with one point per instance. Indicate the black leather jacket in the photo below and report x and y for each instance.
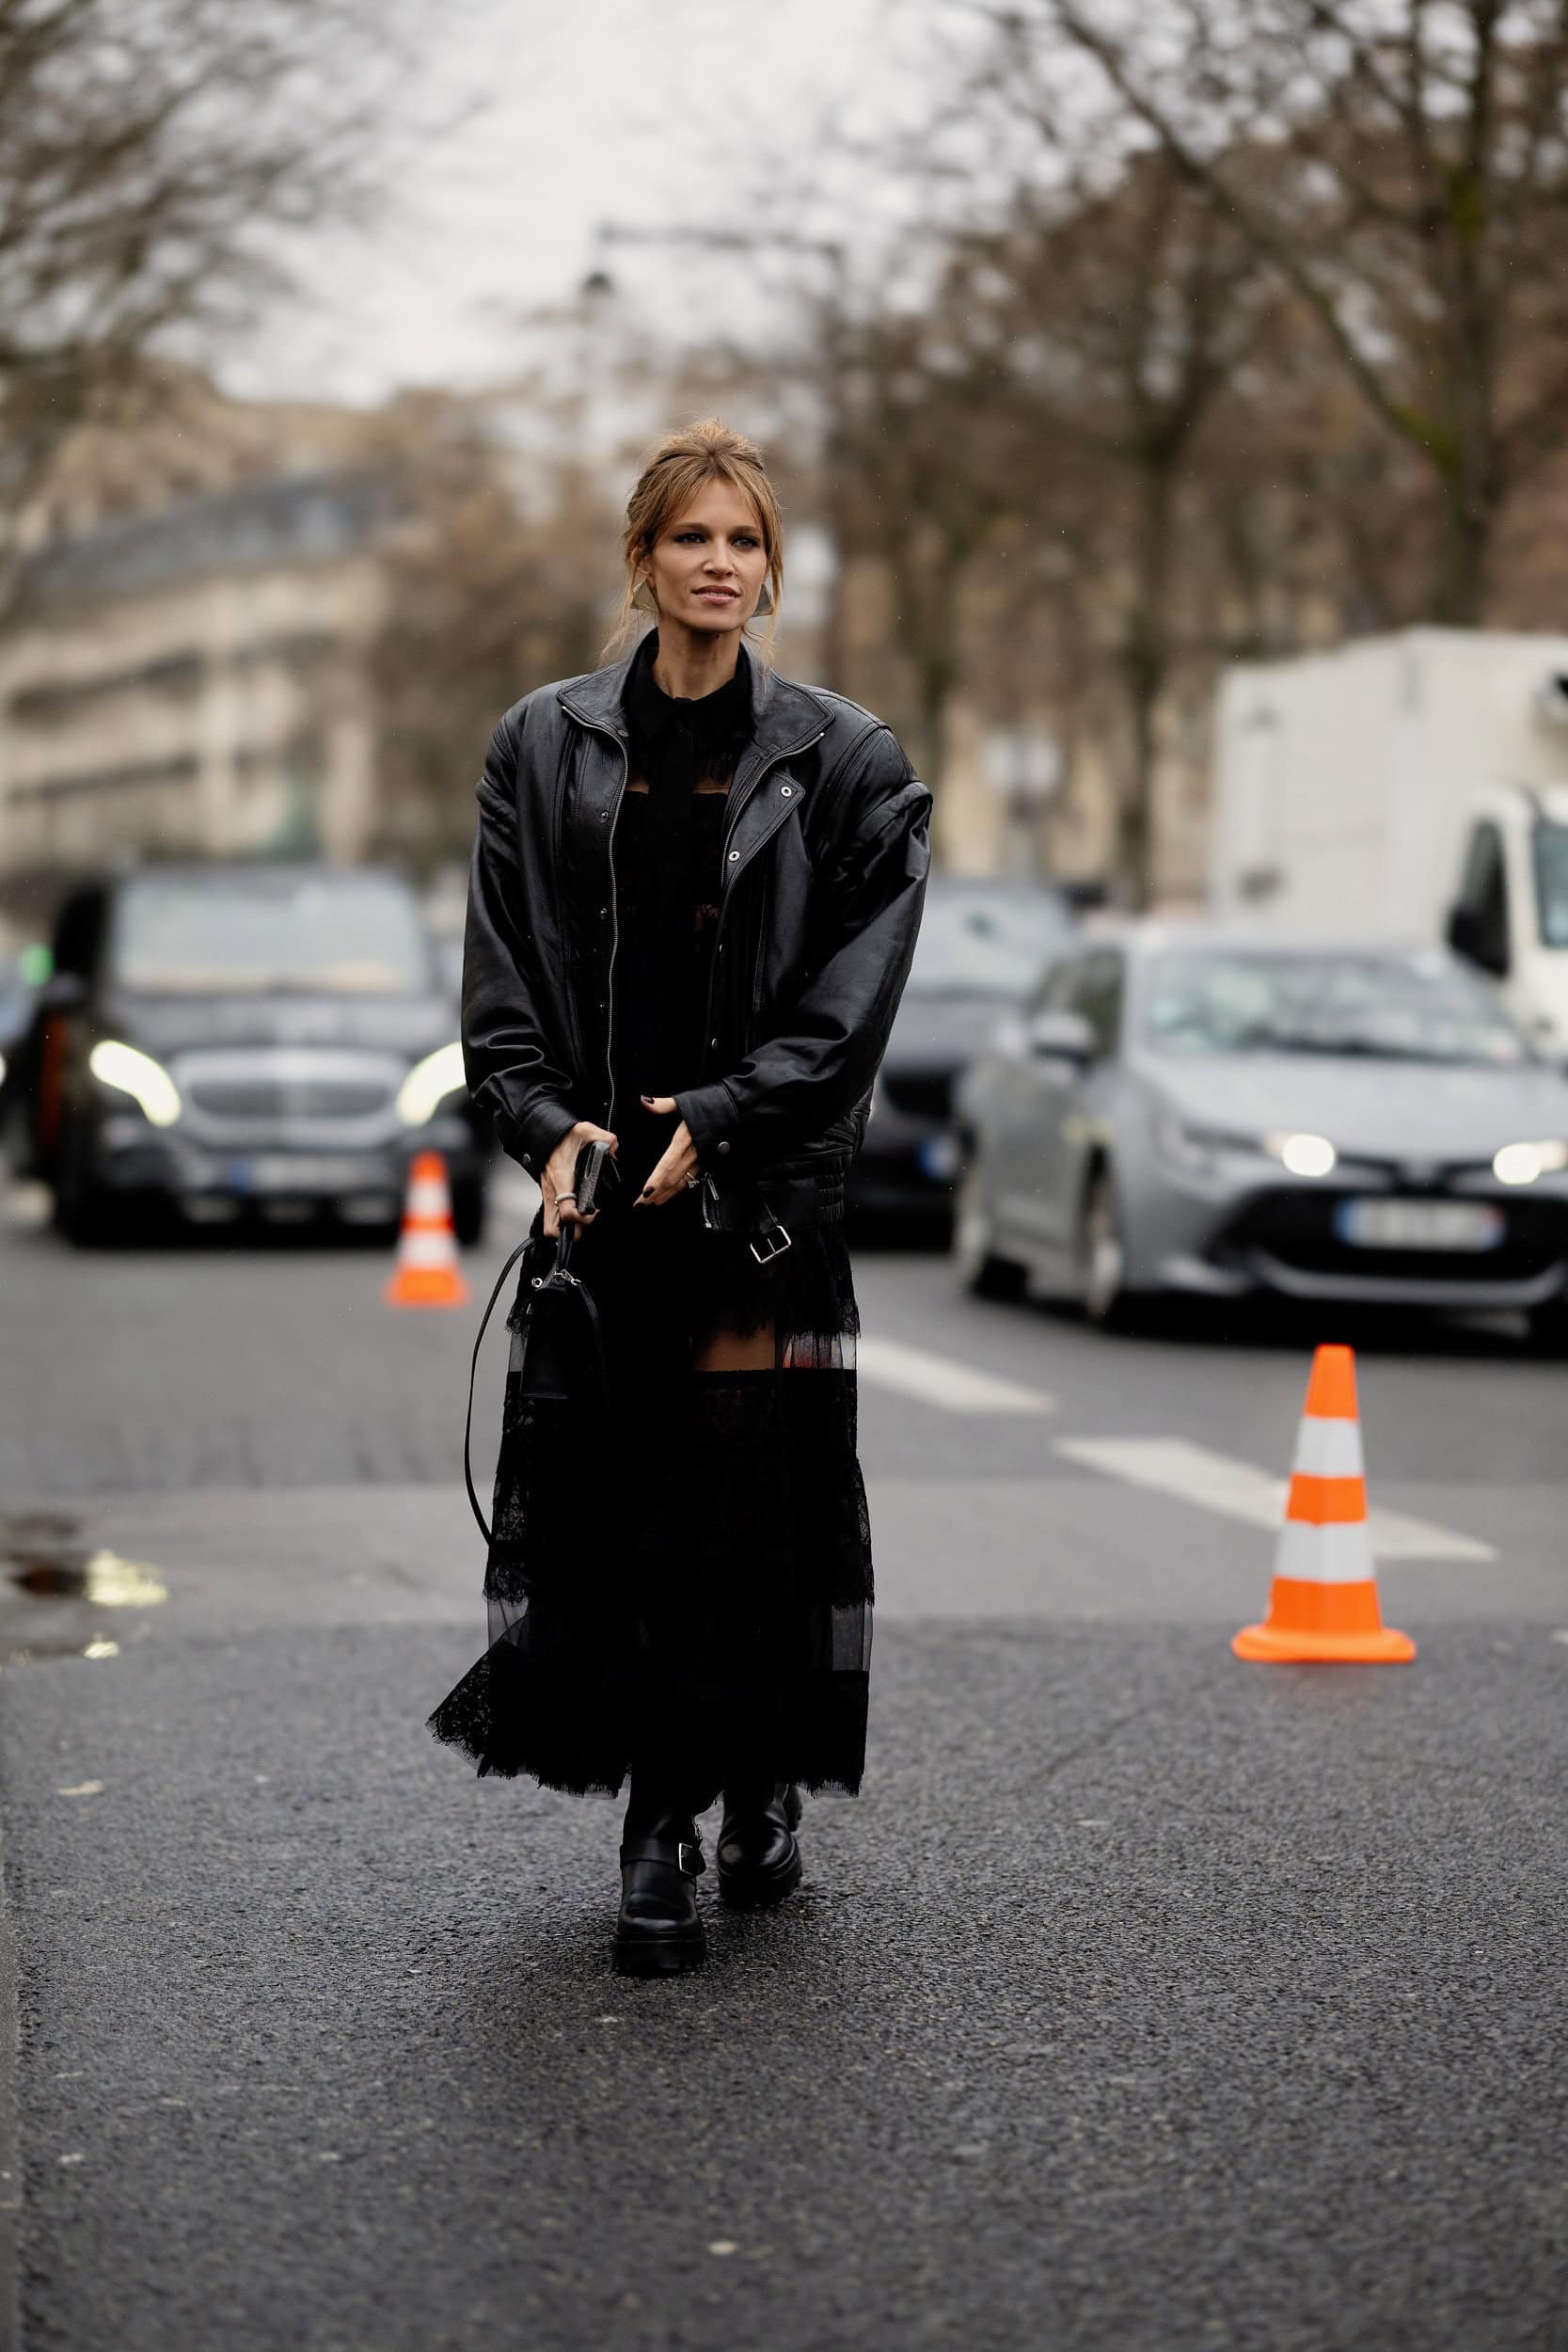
(826, 854)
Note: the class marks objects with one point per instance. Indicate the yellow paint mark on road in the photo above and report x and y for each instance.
(116, 1584)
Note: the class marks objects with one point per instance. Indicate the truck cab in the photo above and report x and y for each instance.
(1510, 914)
(1406, 787)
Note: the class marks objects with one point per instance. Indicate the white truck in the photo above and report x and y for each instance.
(1410, 786)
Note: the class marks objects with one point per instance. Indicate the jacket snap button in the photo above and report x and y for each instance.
(724, 1147)
(734, 855)
(713, 1041)
(787, 789)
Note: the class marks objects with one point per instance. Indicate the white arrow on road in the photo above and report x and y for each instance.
(1241, 1491)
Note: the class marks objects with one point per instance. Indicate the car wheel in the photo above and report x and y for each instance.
(981, 1269)
(1549, 1328)
(1102, 1256)
(468, 1211)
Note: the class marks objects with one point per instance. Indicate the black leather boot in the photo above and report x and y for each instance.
(659, 1932)
(759, 1854)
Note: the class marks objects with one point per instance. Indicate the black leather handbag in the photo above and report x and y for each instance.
(557, 1346)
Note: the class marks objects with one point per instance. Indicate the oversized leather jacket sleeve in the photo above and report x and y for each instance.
(516, 1069)
(826, 1048)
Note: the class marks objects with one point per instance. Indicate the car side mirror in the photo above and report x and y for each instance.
(1062, 1037)
(1470, 934)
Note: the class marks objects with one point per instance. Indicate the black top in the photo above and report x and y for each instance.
(668, 861)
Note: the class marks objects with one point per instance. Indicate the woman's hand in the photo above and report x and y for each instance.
(560, 1169)
(679, 1162)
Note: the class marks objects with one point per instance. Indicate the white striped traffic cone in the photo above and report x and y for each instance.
(1325, 1603)
(427, 1273)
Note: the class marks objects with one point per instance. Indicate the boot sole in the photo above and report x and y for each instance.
(744, 1894)
(659, 1956)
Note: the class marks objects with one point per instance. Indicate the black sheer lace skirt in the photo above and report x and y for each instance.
(691, 1585)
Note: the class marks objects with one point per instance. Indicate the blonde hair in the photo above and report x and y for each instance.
(673, 473)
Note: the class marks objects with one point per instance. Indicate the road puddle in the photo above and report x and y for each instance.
(59, 1580)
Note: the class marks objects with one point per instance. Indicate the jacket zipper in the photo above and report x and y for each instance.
(620, 743)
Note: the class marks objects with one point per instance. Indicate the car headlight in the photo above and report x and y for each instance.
(428, 1083)
(131, 1071)
(1522, 1163)
(1302, 1154)
(1203, 1148)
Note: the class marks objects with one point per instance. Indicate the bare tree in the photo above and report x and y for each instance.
(486, 595)
(154, 155)
(1403, 168)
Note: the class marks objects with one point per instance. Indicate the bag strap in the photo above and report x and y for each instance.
(473, 1374)
(563, 1260)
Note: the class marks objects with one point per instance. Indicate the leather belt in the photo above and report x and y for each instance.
(763, 1208)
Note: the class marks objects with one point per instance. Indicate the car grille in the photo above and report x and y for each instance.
(298, 1098)
(1297, 1229)
(919, 1093)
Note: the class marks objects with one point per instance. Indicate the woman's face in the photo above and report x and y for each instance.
(708, 567)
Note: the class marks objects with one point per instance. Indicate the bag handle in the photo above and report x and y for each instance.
(473, 1374)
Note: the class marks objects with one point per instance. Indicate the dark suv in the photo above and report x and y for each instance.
(275, 1040)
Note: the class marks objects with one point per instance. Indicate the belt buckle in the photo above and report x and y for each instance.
(776, 1249)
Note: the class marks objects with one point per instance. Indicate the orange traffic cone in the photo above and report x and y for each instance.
(1324, 1599)
(427, 1273)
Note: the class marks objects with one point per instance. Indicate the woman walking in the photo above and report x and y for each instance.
(696, 893)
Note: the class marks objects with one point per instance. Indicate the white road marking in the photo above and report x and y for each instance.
(942, 1381)
(25, 1206)
(1240, 1490)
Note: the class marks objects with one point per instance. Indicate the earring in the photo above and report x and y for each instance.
(764, 602)
(643, 599)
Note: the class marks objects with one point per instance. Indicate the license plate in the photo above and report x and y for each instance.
(1418, 1224)
(939, 1157)
(301, 1172)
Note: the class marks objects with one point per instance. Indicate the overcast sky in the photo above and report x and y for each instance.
(641, 111)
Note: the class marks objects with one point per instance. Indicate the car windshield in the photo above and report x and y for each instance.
(986, 944)
(1389, 1008)
(316, 934)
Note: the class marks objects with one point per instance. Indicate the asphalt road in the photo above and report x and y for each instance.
(1144, 2001)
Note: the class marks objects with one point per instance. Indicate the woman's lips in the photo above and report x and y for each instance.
(719, 595)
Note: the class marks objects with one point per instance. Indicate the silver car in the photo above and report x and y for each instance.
(1183, 1110)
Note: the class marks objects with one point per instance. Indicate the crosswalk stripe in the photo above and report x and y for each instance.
(1240, 1490)
(941, 1380)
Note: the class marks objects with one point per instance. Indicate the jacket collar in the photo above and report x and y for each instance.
(784, 715)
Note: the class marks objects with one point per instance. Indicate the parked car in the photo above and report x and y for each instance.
(982, 946)
(1182, 1110)
(229, 1039)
